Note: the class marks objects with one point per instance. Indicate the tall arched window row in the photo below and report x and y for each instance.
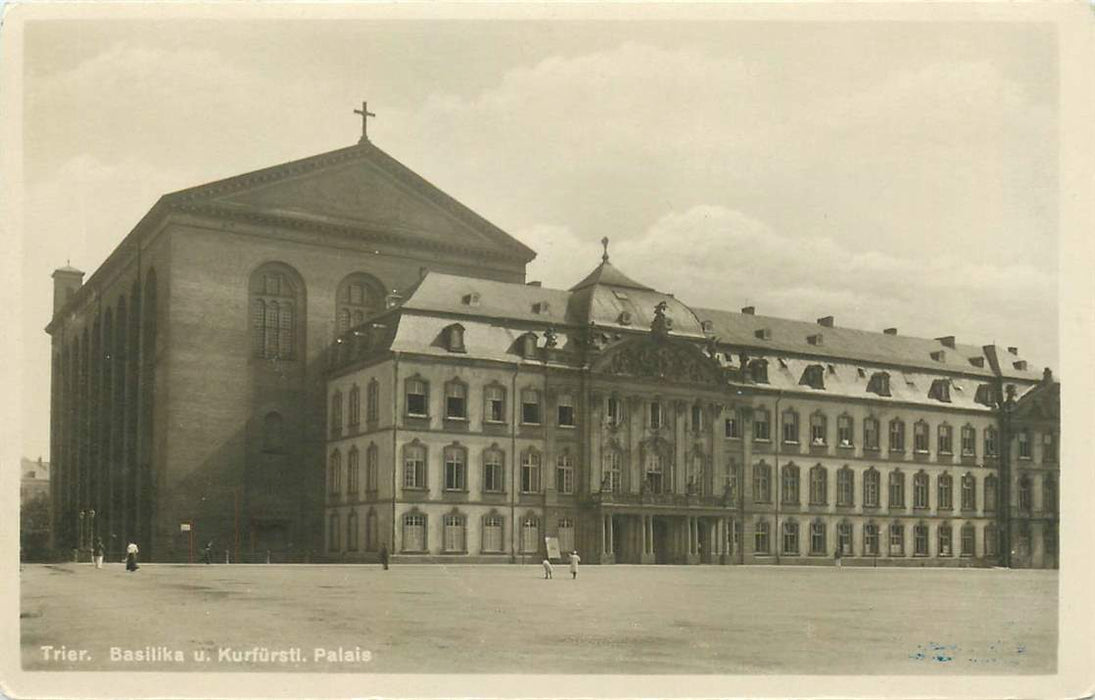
(277, 310)
(359, 296)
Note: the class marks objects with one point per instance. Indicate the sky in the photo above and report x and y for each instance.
(887, 174)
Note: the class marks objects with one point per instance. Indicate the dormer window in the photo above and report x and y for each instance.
(879, 384)
(977, 361)
(764, 333)
(470, 299)
(939, 355)
(940, 390)
(984, 395)
(813, 377)
(815, 339)
(454, 338)
(541, 307)
(758, 371)
(527, 345)
(1021, 365)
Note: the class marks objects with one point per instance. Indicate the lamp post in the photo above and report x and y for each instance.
(90, 528)
(79, 534)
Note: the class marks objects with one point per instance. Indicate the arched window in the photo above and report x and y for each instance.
(870, 433)
(945, 493)
(871, 488)
(372, 401)
(789, 485)
(969, 441)
(819, 429)
(351, 531)
(372, 533)
(897, 540)
(277, 307)
(333, 531)
(359, 296)
(1049, 494)
(566, 535)
(920, 436)
(414, 465)
(845, 431)
(819, 486)
(761, 543)
(494, 406)
(946, 439)
(897, 489)
(990, 441)
(844, 537)
(870, 540)
(654, 470)
(611, 481)
(455, 540)
(371, 466)
(762, 429)
(456, 400)
(336, 413)
(334, 474)
(273, 433)
(790, 538)
(353, 472)
(945, 540)
(414, 532)
(920, 490)
(493, 532)
(920, 540)
(845, 487)
(355, 405)
(1025, 497)
(530, 534)
(789, 420)
(969, 538)
(817, 538)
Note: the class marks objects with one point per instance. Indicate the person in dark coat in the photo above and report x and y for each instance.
(97, 552)
(837, 556)
(131, 557)
(384, 556)
(207, 553)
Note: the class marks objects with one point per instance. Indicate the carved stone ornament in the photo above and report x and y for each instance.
(662, 360)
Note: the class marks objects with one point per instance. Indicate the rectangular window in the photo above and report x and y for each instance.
(946, 498)
(845, 487)
(416, 398)
(565, 411)
(946, 440)
(920, 491)
(454, 533)
(611, 480)
(870, 540)
(372, 402)
(789, 487)
(897, 490)
(760, 538)
(492, 471)
(492, 533)
(455, 469)
(945, 540)
(530, 407)
(969, 441)
(731, 428)
(969, 535)
(530, 472)
(530, 535)
(496, 404)
(817, 539)
(790, 538)
(920, 437)
(1024, 444)
(697, 419)
(790, 427)
(844, 538)
(564, 474)
(456, 401)
(870, 488)
(655, 415)
(969, 492)
(990, 442)
(920, 540)
(844, 435)
(870, 434)
(897, 540)
(897, 436)
(761, 427)
(566, 535)
(762, 491)
(818, 430)
(371, 460)
(613, 410)
(414, 533)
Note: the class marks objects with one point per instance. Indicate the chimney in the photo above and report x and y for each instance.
(889, 331)
(749, 310)
(826, 321)
(1047, 376)
(66, 282)
(947, 341)
(1013, 350)
(534, 283)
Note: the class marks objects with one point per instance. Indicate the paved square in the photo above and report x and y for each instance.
(508, 619)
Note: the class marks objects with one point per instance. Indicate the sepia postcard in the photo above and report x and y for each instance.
(577, 350)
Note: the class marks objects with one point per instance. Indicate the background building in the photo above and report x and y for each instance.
(621, 421)
(34, 509)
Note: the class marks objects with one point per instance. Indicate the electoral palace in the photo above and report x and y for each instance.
(326, 357)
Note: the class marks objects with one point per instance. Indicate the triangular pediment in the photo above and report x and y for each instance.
(361, 189)
(659, 358)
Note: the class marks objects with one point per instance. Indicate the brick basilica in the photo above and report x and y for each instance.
(317, 359)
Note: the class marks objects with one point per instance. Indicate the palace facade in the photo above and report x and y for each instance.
(316, 359)
(477, 418)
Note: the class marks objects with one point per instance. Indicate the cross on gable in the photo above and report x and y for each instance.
(365, 114)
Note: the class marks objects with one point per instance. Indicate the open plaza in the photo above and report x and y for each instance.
(509, 619)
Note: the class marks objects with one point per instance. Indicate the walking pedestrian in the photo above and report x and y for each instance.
(97, 552)
(574, 559)
(384, 556)
(131, 557)
(838, 557)
(548, 569)
(207, 553)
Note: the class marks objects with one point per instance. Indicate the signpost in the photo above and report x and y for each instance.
(553, 548)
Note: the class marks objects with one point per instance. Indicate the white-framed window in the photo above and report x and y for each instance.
(564, 409)
(897, 435)
(456, 468)
(530, 534)
(417, 394)
(455, 539)
(456, 400)
(611, 463)
(819, 429)
(414, 532)
(920, 436)
(530, 406)
(414, 466)
(946, 439)
(493, 532)
(845, 431)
